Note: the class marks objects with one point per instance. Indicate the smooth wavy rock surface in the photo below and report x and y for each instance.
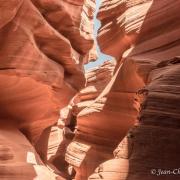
(43, 47)
(19, 160)
(96, 80)
(36, 52)
(119, 121)
(136, 117)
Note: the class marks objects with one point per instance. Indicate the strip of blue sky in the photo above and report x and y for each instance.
(102, 57)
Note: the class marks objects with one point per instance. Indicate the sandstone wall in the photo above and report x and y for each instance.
(115, 122)
(43, 46)
(131, 127)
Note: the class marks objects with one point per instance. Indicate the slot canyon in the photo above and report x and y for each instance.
(117, 121)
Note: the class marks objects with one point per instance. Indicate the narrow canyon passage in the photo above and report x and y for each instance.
(116, 121)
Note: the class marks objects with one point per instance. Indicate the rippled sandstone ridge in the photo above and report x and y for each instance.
(117, 121)
(43, 46)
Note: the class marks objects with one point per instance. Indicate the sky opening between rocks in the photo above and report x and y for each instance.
(101, 56)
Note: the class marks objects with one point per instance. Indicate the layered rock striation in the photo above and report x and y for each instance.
(43, 46)
(115, 122)
(133, 124)
(96, 80)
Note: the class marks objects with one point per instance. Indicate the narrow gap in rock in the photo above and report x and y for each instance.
(101, 56)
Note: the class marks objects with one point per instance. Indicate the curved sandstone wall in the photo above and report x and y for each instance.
(131, 127)
(43, 46)
(115, 122)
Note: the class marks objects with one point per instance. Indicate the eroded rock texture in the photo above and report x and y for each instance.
(43, 46)
(133, 125)
(96, 80)
(115, 122)
(19, 160)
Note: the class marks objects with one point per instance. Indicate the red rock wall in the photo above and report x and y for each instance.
(96, 80)
(19, 160)
(43, 46)
(124, 123)
(131, 127)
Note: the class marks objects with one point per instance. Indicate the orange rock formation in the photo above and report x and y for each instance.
(43, 46)
(117, 121)
(130, 128)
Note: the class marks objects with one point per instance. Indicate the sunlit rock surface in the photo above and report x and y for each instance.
(19, 160)
(131, 127)
(115, 122)
(43, 47)
(96, 80)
